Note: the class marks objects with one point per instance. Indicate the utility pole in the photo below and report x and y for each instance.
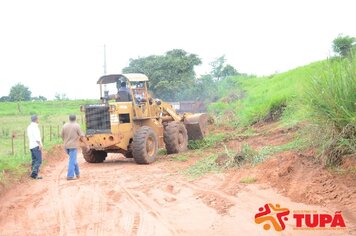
(104, 59)
(105, 88)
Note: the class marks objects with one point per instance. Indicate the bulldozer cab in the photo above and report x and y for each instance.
(130, 88)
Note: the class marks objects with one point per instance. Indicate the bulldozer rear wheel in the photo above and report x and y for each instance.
(93, 156)
(175, 137)
(144, 145)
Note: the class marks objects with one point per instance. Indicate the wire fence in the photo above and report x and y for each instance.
(16, 142)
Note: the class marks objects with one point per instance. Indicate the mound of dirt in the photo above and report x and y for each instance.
(301, 178)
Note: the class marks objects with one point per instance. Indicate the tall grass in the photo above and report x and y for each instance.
(263, 97)
(330, 97)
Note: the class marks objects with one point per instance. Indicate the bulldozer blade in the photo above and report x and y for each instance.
(196, 125)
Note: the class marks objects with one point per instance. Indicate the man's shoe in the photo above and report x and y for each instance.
(70, 178)
(36, 177)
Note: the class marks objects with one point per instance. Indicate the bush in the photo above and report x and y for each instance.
(331, 99)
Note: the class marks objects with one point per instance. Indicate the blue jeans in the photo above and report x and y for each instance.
(73, 166)
(36, 155)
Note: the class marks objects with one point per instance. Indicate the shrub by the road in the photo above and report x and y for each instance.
(331, 99)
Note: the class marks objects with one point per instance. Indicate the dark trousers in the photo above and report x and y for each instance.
(36, 155)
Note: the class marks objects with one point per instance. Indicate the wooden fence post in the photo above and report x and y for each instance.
(50, 133)
(12, 145)
(58, 131)
(24, 142)
(43, 134)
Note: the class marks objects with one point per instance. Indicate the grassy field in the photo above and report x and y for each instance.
(14, 119)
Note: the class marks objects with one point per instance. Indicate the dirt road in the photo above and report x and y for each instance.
(119, 197)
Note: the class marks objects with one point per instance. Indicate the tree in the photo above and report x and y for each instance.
(229, 70)
(19, 92)
(39, 98)
(220, 71)
(342, 45)
(60, 96)
(217, 67)
(170, 74)
(5, 99)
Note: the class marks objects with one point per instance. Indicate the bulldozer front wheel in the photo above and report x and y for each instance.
(93, 156)
(144, 145)
(175, 137)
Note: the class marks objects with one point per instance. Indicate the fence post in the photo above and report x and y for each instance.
(12, 145)
(24, 142)
(50, 133)
(57, 131)
(43, 134)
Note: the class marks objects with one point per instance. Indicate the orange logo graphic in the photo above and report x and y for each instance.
(274, 214)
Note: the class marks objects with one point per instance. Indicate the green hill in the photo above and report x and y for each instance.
(322, 93)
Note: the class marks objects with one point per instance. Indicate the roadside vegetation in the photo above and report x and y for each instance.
(321, 95)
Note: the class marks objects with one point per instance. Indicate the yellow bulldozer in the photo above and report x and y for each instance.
(131, 122)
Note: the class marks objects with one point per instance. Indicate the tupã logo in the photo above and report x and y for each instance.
(274, 215)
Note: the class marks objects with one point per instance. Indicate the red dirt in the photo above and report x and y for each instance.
(118, 197)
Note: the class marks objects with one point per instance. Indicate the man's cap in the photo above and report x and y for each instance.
(34, 118)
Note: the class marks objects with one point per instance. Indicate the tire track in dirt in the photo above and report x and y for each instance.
(146, 208)
(119, 197)
(59, 205)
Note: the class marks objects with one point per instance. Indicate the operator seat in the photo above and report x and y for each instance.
(124, 96)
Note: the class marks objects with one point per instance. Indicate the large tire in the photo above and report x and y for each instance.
(175, 137)
(93, 156)
(144, 145)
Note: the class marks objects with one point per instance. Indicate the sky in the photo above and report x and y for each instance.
(58, 46)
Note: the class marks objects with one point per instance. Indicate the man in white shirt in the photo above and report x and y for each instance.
(35, 145)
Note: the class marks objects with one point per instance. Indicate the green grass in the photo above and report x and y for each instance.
(248, 180)
(297, 144)
(43, 108)
(263, 94)
(202, 166)
(331, 94)
(16, 165)
(181, 158)
(209, 141)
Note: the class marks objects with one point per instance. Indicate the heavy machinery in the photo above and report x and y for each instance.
(131, 122)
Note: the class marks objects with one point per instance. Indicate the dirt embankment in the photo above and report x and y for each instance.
(299, 175)
(50, 157)
(119, 197)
